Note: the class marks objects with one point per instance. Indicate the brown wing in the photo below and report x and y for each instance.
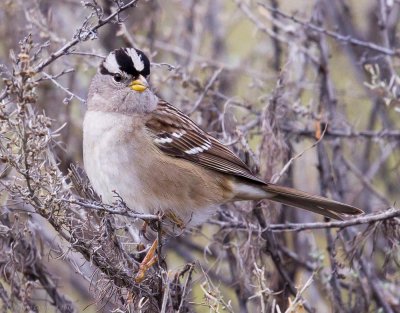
(177, 135)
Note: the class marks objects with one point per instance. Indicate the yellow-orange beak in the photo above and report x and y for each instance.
(139, 84)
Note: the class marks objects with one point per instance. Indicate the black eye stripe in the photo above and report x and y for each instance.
(103, 70)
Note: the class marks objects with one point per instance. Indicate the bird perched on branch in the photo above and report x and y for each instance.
(158, 160)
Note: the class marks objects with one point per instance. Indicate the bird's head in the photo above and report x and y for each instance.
(120, 84)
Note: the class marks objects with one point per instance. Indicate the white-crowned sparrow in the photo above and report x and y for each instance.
(157, 159)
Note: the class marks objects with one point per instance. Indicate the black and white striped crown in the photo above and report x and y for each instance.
(129, 60)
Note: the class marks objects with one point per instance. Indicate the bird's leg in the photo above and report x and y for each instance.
(149, 260)
(154, 225)
(175, 219)
(143, 229)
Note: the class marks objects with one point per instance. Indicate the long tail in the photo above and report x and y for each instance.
(303, 200)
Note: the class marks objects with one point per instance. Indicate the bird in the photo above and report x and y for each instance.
(139, 146)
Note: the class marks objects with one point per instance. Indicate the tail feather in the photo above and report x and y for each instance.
(316, 204)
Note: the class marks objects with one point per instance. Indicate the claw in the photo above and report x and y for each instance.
(149, 260)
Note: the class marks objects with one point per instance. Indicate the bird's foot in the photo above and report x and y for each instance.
(176, 220)
(149, 260)
(143, 230)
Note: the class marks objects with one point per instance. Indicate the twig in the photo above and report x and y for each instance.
(365, 181)
(205, 90)
(201, 59)
(382, 134)
(295, 257)
(252, 17)
(63, 50)
(274, 252)
(371, 218)
(90, 54)
(391, 213)
(370, 276)
(112, 210)
(339, 37)
(63, 88)
(277, 176)
(185, 287)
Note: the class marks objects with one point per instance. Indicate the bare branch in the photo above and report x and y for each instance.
(343, 38)
(64, 49)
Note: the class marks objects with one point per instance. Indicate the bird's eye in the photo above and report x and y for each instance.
(117, 77)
